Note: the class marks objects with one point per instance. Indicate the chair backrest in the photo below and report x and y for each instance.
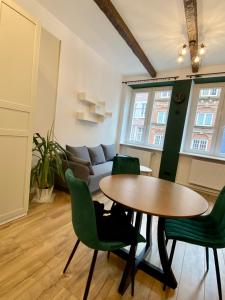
(218, 212)
(83, 212)
(126, 165)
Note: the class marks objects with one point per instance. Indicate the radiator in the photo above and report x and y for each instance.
(207, 174)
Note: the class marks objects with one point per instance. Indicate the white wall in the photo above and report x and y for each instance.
(81, 69)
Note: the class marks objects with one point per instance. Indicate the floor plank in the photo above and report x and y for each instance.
(34, 250)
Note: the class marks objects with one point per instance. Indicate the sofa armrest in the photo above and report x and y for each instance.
(79, 170)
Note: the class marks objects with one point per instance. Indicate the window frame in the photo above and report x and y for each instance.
(218, 124)
(148, 115)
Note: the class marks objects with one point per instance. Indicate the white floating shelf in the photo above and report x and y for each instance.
(97, 109)
(82, 116)
(82, 96)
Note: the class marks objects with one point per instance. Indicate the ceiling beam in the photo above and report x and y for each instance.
(190, 8)
(114, 17)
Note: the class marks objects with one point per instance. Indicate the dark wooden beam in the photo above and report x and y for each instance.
(190, 8)
(114, 17)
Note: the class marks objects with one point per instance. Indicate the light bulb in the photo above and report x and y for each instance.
(180, 58)
(196, 59)
(184, 49)
(202, 49)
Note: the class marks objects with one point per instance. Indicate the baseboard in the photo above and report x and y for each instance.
(13, 215)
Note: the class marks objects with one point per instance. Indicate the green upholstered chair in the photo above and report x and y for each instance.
(207, 231)
(125, 165)
(131, 165)
(85, 227)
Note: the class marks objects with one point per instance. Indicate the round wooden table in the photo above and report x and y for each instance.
(154, 197)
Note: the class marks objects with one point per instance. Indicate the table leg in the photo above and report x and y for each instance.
(125, 281)
(169, 278)
(149, 232)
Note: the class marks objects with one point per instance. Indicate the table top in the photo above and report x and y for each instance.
(153, 195)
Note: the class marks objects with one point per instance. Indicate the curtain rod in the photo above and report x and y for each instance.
(206, 74)
(150, 80)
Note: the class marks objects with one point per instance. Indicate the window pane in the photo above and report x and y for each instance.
(203, 145)
(138, 118)
(208, 119)
(200, 119)
(159, 117)
(195, 144)
(205, 117)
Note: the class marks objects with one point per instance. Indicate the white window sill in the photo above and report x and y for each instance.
(206, 157)
(141, 147)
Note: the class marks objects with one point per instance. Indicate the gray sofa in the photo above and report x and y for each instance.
(90, 164)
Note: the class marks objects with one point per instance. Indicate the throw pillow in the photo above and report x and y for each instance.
(109, 151)
(82, 162)
(79, 152)
(97, 155)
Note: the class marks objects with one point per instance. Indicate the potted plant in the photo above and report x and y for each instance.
(48, 164)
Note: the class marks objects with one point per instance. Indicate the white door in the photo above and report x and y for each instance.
(19, 47)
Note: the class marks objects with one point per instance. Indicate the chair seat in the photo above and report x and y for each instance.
(111, 246)
(200, 231)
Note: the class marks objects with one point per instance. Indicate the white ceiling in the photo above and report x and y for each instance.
(159, 27)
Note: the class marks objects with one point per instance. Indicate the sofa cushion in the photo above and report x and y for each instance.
(97, 155)
(109, 151)
(100, 171)
(105, 168)
(79, 152)
(82, 162)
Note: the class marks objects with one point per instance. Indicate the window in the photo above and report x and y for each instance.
(161, 117)
(136, 133)
(213, 92)
(206, 121)
(199, 144)
(139, 110)
(148, 116)
(158, 139)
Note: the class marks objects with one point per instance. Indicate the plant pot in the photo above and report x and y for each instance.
(44, 195)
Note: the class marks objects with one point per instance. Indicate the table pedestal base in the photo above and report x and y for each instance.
(165, 275)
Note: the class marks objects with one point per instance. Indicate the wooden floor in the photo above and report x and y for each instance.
(34, 250)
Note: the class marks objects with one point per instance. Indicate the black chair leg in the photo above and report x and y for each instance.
(217, 273)
(171, 256)
(133, 269)
(108, 254)
(71, 256)
(207, 258)
(90, 275)
(172, 252)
